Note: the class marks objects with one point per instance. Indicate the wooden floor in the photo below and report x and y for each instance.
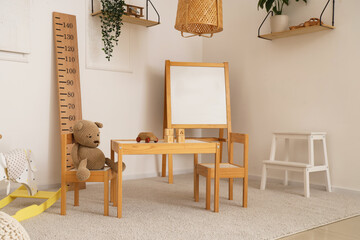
(348, 229)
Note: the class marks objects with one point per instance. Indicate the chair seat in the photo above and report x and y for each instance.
(227, 170)
(95, 175)
(96, 170)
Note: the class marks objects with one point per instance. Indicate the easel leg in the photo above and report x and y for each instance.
(217, 179)
(196, 179)
(231, 183)
(170, 170)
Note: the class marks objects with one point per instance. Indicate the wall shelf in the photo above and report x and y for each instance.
(133, 20)
(299, 31)
(296, 32)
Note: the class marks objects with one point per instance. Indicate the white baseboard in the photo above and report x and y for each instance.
(187, 171)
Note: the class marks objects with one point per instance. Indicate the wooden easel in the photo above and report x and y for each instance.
(167, 112)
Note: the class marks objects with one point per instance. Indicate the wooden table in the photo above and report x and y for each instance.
(131, 147)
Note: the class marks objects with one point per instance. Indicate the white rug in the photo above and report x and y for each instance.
(153, 209)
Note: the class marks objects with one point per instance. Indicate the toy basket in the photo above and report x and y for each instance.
(199, 17)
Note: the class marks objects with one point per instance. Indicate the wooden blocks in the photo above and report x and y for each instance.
(180, 135)
(169, 135)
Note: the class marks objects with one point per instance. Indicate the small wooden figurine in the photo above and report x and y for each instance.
(147, 136)
(180, 135)
(169, 135)
(134, 11)
(311, 22)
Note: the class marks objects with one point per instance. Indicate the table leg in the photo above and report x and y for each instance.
(217, 178)
(170, 170)
(119, 184)
(163, 170)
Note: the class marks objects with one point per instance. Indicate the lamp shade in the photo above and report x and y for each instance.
(199, 17)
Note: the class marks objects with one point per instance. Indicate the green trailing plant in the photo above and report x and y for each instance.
(274, 5)
(111, 21)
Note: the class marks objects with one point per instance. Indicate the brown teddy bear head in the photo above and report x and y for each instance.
(87, 133)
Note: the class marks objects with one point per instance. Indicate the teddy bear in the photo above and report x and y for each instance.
(85, 154)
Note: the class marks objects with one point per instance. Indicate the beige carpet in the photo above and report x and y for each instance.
(153, 209)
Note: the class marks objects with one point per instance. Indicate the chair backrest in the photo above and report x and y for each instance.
(243, 139)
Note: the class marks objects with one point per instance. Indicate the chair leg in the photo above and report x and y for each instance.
(76, 194)
(263, 178)
(63, 198)
(245, 190)
(231, 183)
(306, 183)
(115, 192)
(106, 194)
(208, 190)
(112, 191)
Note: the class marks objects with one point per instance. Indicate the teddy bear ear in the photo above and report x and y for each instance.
(100, 125)
(78, 126)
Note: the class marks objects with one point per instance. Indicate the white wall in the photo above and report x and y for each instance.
(126, 103)
(294, 84)
(303, 83)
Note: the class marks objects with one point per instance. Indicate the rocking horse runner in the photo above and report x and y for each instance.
(18, 166)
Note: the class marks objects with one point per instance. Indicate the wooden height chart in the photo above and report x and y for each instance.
(67, 73)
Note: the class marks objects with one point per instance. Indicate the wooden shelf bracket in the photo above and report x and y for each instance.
(299, 31)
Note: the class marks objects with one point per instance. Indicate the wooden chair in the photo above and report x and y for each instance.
(227, 170)
(69, 176)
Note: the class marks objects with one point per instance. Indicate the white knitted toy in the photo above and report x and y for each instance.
(18, 166)
(11, 229)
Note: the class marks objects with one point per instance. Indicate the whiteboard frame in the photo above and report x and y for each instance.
(167, 107)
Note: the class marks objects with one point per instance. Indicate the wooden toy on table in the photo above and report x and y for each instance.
(180, 135)
(147, 136)
(169, 135)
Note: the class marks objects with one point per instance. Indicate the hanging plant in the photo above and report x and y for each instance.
(111, 21)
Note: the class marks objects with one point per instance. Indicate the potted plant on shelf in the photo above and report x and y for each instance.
(278, 22)
(111, 21)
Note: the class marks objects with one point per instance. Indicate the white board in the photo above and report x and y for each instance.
(15, 26)
(198, 95)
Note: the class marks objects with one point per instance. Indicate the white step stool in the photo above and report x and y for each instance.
(296, 166)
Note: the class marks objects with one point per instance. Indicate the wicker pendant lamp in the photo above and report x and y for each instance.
(199, 17)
